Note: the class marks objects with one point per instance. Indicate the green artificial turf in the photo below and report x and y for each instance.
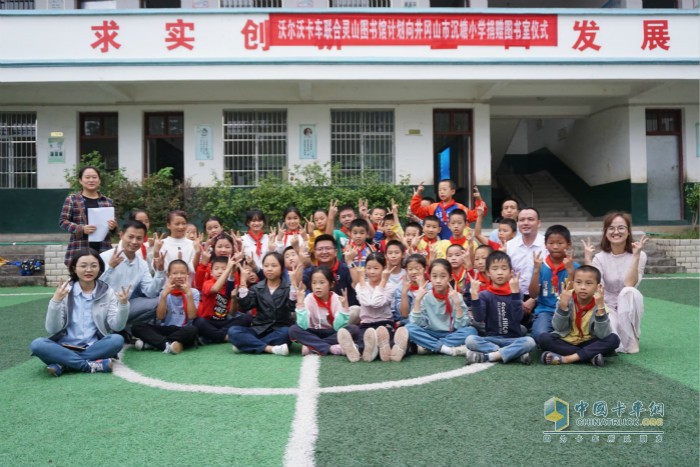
(19, 325)
(99, 419)
(684, 291)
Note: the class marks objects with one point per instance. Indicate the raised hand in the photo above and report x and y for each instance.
(467, 261)
(515, 283)
(349, 254)
(62, 291)
(565, 295)
(362, 208)
(599, 296)
(273, 233)
(453, 294)
(244, 273)
(112, 224)
(474, 286)
(361, 275)
(157, 243)
(198, 243)
(344, 302)
(588, 249)
(476, 193)
(416, 241)
(537, 259)
(281, 232)
(386, 273)
(333, 209)
(639, 245)
(480, 210)
(88, 229)
(420, 292)
(159, 261)
(116, 259)
(419, 189)
(568, 261)
(380, 227)
(123, 295)
(504, 246)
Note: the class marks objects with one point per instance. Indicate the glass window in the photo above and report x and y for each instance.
(100, 132)
(18, 150)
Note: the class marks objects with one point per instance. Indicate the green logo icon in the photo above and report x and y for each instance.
(557, 411)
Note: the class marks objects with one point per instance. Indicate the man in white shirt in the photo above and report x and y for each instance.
(124, 268)
(521, 250)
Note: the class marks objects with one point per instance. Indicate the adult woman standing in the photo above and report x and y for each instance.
(621, 264)
(74, 214)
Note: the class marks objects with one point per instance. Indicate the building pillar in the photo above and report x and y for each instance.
(482, 156)
(638, 165)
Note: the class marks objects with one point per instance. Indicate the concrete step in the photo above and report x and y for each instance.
(663, 269)
(21, 281)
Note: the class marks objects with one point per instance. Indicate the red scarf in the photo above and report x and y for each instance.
(143, 246)
(555, 270)
(448, 305)
(458, 241)
(180, 293)
(326, 305)
(413, 288)
(429, 242)
(288, 234)
(345, 231)
(359, 250)
(485, 281)
(502, 290)
(459, 277)
(334, 268)
(580, 311)
(258, 241)
(445, 207)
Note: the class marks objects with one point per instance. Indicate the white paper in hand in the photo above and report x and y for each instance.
(99, 218)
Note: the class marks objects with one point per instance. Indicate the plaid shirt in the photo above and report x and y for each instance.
(74, 217)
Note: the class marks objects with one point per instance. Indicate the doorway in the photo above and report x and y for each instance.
(664, 164)
(452, 150)
(163, 135)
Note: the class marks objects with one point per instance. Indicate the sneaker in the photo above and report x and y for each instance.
(371, 350)
(475, 357)
(422, 350)
(176, 347)
(281, 349)
(305, 351)
(459, 351)
(141, 345)
(55, 369)
(525, 359)
(348, 345)
(101, 366)
(383, 344)
(206, 341)
(235, 349)
(336, 349)
(168, 348)
(598, 360)
(400, 344)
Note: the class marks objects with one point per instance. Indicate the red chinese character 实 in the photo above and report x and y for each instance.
(587, 32)
(177, 34)
(256, 34)
(106, 35)
(656, 34)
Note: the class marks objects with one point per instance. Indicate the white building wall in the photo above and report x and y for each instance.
(691, 136)
(414, 153)
(54, 119)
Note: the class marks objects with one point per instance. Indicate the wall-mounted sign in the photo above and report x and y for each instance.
(203, 143)
(307, 141)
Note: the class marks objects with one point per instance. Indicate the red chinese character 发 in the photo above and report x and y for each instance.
(176, 34)
(656, 34)
(586, 37)
(256, 34)
(106, 35)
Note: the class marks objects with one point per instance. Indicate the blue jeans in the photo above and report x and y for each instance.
(52, 352)
(433, 340)
(248, 341)
(542, 324)
(510, 347)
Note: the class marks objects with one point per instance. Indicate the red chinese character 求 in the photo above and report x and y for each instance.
(587, 32)
(256, 34)
(106, 35)
(177, 34)
(656, 34)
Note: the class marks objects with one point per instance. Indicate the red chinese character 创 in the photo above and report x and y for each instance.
(106, 35)
(587, 32)
(177, 34)
(656, 34)
(256, 34)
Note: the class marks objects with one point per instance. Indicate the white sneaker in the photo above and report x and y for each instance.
(371, 349)
(168, 348)
(348, 345)
(459, 351)
(422, 350)
(139, 345)
(281, 349)
(235, 349)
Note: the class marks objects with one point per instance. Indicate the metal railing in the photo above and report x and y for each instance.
(16, 4)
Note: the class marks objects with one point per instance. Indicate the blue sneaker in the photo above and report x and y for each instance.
(101, 366)
(55, 369)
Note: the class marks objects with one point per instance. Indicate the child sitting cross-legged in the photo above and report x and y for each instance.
(500, 308)
(176, 308)
(320, 315)
(582, 331)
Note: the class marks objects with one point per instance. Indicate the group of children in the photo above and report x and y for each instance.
(368, 289)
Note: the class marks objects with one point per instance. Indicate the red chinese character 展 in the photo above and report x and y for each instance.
(587, 32)
(106, 35)
(177, 35)
(255, 34)
(656, 34)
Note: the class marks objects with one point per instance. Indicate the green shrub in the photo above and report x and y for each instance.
(692, 200)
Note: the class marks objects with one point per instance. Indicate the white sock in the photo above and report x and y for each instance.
(492, 356)
(446, 350)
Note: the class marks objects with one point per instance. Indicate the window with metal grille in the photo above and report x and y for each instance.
(250, 3)
(18, 150)
(362, 141)
(663, 121)
(100, 132)
(255, 145)
(360, 3)
(17, 5)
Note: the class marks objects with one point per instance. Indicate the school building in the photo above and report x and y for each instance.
(514, 96)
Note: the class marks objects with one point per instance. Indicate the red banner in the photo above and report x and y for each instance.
(435, 31)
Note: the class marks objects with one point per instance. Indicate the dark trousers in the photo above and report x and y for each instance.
(248, 341)
(215, 330)
(586, 350)
(389, 325)
(157, 336)
(320, 340)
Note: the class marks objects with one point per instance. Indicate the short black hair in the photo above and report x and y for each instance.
(359, 223)
(345, 207)
(80, 254)
(376, 256)
(454, 245)
(210, 219)
(255, 214)
(558, 229)
(510, 223)
(484, 247)
(530, 208)
(498, 256)
(175, 262)
(396, 243)
(459, 213)
(453, 185)
(431, 218)
(441, 262)
(134, 225)
(588, 268)
(325, 238)
(416, 225)
(416, 258)
(219, 259)
(377, 207)
(517, 205)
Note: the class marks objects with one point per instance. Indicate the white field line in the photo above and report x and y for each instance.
(302, 440)
(25, 294)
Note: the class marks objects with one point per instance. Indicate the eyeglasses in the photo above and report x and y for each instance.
(325, 248)
(87, 266)
(618, 228)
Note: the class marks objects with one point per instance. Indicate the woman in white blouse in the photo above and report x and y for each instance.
(621, 263)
